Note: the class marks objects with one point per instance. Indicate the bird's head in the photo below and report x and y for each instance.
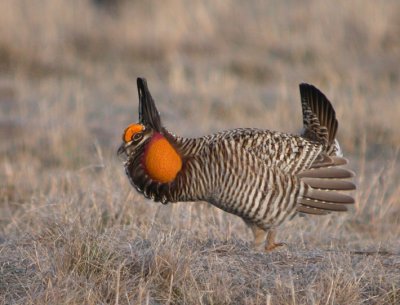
(136, 135)
(147, 140)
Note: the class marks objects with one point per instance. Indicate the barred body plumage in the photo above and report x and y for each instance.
(262, 176)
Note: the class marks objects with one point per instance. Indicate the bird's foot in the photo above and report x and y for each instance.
(270, 243)
(271, 246)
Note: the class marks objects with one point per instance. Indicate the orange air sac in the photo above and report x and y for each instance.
(161, 160)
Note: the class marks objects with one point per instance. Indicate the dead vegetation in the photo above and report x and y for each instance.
(72, 231)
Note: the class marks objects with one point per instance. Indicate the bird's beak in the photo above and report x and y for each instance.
(121, 150)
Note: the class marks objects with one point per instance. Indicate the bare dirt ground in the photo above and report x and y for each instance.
(73, 231)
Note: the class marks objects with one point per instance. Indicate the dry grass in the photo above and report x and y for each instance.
(72, 231)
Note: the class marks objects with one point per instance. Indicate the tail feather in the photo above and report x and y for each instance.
(322, 205)
(323, 200)
(328, 173)
(319, 119)
(328, 196)
(322, 190)
(309, 210)
(325, 160)
(326, 177)
(330, 184)
(323, 186)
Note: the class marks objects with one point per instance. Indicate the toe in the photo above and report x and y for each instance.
(272, 246)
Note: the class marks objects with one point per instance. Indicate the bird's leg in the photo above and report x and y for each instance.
(270, 243)
(259, 235)
(264, 239)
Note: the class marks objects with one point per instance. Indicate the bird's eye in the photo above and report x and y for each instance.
(137, 137)
(131, 131)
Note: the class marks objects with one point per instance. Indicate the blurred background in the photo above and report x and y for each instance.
(68, 68)
(68, 89)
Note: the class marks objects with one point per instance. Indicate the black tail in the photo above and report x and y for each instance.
(319, 117)
(326, 177)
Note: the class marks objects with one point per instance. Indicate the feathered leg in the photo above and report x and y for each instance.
(264, 240)
(259, 236)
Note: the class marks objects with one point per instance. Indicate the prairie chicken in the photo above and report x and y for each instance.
(262, 176)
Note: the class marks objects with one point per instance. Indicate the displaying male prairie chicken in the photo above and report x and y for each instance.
(262, 176)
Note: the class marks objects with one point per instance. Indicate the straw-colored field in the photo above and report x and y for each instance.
(73, 231)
